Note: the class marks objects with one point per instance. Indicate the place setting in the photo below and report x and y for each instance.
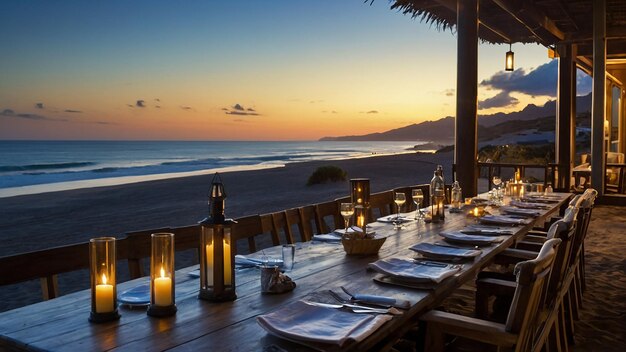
(413, 273)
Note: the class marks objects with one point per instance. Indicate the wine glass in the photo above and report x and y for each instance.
(418, 198)
(347, 210)
(399, 199)
(497, 181)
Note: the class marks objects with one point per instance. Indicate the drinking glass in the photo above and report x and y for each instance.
(497, 182)
(289, 253)
(399, 199)
(418, 198)
(347, 210)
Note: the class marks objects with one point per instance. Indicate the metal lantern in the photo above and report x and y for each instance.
(162, 295)
(437, 206)
(360, 197)
(217, 259)
(509, 61)
(103, 284)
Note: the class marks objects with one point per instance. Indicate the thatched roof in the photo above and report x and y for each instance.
(546, 22)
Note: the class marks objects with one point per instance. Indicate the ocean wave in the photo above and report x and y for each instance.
(9, 168)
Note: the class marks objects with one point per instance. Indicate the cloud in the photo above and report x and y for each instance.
(186, 107)
(157, 106)
(372, 112)
(500, 100)
(73, 111)
(316, 101)
(157, 99)
(130, 105)
(333, 112)
(39, 105)
(141, 104)
(12, 113)
(449, 92)
(240, 110)
(540, 81)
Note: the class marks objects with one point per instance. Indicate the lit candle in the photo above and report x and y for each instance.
(521, 191)
(209, 264)
(360, 221)
(228, 279)
(468, 201)
(517, 176)
(104, 296)
(163, 290)
(476, 211)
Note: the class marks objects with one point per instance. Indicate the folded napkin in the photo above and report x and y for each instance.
(442, 252)
(257, 259)
(353, 229)
(313, 325)
(409, 270)
(328, 237)
(487, 230)
(541, 199)
(503, 220)
(529, 205)
(476, 240)
(389, 219)
(520, 211)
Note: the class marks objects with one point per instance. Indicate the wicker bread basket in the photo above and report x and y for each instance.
(362, 246)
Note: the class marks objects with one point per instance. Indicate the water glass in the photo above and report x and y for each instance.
(289, 253)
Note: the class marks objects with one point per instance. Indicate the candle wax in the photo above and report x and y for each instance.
(104, 296)
(163, 290)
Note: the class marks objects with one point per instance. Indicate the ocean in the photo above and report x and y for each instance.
(39, 166)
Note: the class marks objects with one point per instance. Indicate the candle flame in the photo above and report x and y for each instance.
(476, 211)
(162, 272)
(104, 279)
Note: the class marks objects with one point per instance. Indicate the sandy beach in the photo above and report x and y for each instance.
(52, 219)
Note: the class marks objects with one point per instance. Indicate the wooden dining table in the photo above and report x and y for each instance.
(61, 324)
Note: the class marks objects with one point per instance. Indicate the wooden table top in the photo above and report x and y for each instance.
(61, 324)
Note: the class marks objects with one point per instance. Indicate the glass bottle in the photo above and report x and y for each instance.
(456, 196)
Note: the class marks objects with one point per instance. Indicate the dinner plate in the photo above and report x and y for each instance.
(390, 219)
(434, 251)
(476, 240)
(136, 296)
(388, 280)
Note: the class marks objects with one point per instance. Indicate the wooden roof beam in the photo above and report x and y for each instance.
(539, 25)
(451, 5)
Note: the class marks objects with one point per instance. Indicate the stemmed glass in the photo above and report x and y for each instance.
(418, 198)
(399, 199)
(497, 181)
(347, 210)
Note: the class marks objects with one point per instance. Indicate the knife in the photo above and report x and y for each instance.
(355, 308)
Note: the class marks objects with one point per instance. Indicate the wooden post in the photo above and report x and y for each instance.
(566, 115)
(598, 98)
(465, 148)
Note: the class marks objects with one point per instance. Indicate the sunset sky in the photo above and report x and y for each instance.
(238, 70)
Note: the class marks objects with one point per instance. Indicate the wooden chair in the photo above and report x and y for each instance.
(139, 244)
(516, 333)
(327, 217)
(309, 221)
(381, 204)
(249, 228)
(551, 317)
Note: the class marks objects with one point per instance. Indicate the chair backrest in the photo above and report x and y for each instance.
(564, 230)
(614, 158)
(532, 276)
(138, 245)
(327, 217)
(249, 228)
(308, 222)
(381, 204)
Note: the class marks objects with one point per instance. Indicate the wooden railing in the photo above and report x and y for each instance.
(285, 226)
(490, 169)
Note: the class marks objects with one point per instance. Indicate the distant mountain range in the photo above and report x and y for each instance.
(443, 129)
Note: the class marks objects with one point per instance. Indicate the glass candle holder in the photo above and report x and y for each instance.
(360, 192)
(162, 280)
(361, 217)
(103, 284)
(437, 206)
(217, 262)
